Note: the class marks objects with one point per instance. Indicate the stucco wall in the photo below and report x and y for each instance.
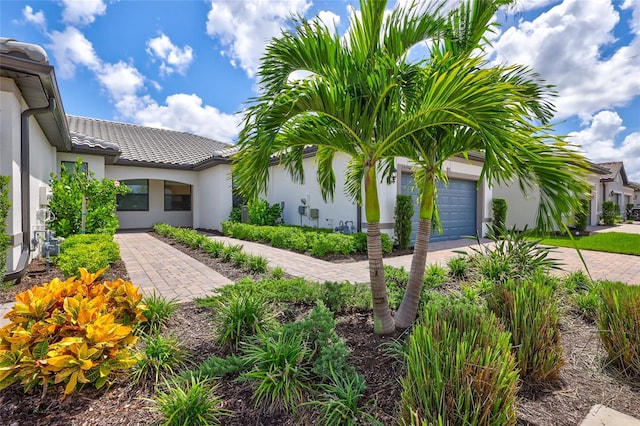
(10, 160)
(213, 197)
(156, 213)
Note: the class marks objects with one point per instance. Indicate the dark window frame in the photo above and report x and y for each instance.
(177, 202)
(145, 196)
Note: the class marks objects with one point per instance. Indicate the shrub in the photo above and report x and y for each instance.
(609, 212)
(434, 276)
(402, 226)
(71, 332)
(458, 267)
(4, 212)
(581, 217)
(261, 214)
(459, 369)
(516, 256)
(215, 367)
(161, 357)
(257, 264)
(100, 200)
(530, 311)
(242, 315)
(213, 248)
(339, 401)
(277, 273)
(157, 311)
(236, 214)
(619, 325)
(90, 251)
(190, 403)
(576, 281)
(229, 252)
(281, 368)
(499, 208)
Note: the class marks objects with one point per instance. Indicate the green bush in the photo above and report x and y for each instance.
(90, 251)
(434, 276)
(100, 200)
(402, 226)
(240, 316)
(236, 214)
(499, 208)
(609, 212)
(619, 326)
(4, 212)
(581, 217)
(157, 312)
(216, 367)
(161, 357)
(261, 214)
(459, 368)
(190, 403)
(530, 311)
(458, 267)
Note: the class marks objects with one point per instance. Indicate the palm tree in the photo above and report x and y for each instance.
(513, 146)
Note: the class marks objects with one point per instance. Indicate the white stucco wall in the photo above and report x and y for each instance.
(10, 108)
(156, 213)
(213, 197)
(330, 213)
(95, 163)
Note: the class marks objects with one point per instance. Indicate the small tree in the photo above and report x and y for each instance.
(402, 227)
(260, 213)
(499, 207)
(4, 212)
(581, 216)
(100, 198)
(609, 209)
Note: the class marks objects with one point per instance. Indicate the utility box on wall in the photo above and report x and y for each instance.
(314, 213)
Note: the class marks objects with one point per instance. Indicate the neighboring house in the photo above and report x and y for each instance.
(615, 185)
(636, 193)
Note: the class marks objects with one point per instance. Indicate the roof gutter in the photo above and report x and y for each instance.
(25, 189)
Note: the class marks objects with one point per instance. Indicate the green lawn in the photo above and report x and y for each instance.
(612, 242)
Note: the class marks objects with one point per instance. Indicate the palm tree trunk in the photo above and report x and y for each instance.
(408, 310)
(382, 320)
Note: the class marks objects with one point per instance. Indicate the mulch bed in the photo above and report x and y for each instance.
(585, 381)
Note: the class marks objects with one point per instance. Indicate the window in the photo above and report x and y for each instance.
(69, 166)
(137, 199)
(177, 196)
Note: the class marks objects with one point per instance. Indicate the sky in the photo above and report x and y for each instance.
(190, 65)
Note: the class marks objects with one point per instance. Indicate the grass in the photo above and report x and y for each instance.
(611, 242)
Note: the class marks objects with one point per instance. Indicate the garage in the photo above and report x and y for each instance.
(457, 203)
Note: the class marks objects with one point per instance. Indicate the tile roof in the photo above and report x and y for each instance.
(614, 169)
(146, 145)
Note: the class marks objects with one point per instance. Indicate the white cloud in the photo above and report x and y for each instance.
(186, 113)
(245, 27)
(329, 19)
(598, 142)
(120, 79)
(525, 5)
(36, 18)
(171, 56)
(565, 46)
(71, 48)
(82, 12)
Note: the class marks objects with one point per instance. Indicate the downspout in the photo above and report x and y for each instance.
(25, 189)
(359, 220)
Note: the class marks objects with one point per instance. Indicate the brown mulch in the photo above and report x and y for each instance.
(585, 380)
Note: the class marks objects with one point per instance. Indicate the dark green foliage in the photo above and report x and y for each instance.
(66, 202)
(459, 368)
(242, 315)
(339, 401)
(581, 216)
(516, 255)
(330, 352)
(628, 211)
(4, 212)
(402, 226)
(215, 367)
(529, 310)
(434, 276)
(158, 311)
(90, 251)
(619, 326)
(584, 294)
(609, 212)
(192, 402)
(236, 214)
(277, 273)
(261, 214)
(499, 208)
(161, 357)
(281, 368)
(257, 264)
(316, 241)
(458, 267)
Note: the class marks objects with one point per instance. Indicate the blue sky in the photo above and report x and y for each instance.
(189, 65)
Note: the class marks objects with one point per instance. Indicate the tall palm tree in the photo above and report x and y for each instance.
(513, 146)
